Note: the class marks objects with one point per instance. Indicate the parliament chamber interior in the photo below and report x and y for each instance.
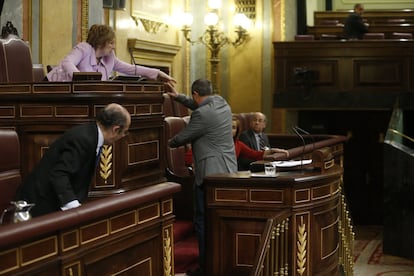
(353, 99)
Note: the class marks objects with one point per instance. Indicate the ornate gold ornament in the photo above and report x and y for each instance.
(301, 247)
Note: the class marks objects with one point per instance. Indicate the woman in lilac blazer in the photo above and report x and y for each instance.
(97, 55)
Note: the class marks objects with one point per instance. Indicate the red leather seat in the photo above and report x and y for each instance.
(10, 177)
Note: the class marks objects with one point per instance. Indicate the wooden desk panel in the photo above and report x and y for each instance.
(129, 234)
(343, 74)
(40, 112)
(372, 17)
(387, 29)
(238, 207)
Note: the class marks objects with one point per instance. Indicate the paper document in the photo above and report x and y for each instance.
(291, 163)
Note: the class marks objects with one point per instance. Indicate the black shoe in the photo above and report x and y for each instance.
(195, 272)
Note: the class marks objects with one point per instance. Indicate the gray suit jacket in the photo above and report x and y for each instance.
(209, 131)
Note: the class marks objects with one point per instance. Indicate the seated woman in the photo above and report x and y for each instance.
(242, 150)
(97, 55)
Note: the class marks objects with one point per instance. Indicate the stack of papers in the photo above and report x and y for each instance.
(291, 163)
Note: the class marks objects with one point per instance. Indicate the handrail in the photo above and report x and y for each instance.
(401, 134)
(272, 255)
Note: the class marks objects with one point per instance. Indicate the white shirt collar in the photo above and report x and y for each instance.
(100, 140)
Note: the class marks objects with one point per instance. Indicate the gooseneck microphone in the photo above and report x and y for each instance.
(304, 145)
(133, 61)
(307, 133)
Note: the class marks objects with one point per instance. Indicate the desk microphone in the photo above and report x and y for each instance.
(303, 142)
(307, 133)
(133, 61)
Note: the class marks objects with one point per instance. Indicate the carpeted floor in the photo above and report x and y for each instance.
(369, 258)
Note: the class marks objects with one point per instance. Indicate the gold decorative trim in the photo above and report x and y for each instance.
(16, 253)
(64, 248)
(16, 89)
(61, 88)
(401, 134)
(150, 218)
(168, 251)
(12, 110)
(67, 269)
(142, 107)
(321, 233)
(85, 113)
(149, 25)
(156, 109)
(329, 164)
(105, 163)
(237, 247)
(321, 188)
(147, 260)
(247, 7)
(53, 253)
(84, 19)
(169, 203)
(281, 192)
(217, 199)
(155, 158)
(38, 107)
(112, 230)
(302, 190)
(96, 237)
(301, 247)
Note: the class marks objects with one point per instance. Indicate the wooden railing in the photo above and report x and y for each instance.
(347, 237)
(272, 257)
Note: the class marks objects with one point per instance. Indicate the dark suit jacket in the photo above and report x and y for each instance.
(354, 27)
(249, 139)
(65, 171)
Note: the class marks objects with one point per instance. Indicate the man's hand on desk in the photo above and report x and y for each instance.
(275, 150)
(70, 205)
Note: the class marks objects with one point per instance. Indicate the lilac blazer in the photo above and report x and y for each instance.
(82, 59)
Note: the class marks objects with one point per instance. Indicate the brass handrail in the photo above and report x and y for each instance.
(401, 134)
(272, 255)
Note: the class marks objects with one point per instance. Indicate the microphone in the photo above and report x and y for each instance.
(307, 133)
(133, 61)
(303, 142)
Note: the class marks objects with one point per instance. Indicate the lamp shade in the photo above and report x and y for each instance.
(211, 19)
(241, 20)
(186, 19)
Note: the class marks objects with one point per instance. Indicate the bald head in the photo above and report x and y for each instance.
(258, 122)
(114, 121)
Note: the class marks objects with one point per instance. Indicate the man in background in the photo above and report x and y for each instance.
(254, 137)
(210, 133)
(354, 27)
(61, 179)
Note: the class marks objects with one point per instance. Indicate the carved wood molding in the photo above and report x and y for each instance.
(152, 53)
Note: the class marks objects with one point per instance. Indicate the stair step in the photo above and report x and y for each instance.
(182, 230)
(186, 254)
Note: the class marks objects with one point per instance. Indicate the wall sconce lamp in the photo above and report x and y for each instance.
(213, 38)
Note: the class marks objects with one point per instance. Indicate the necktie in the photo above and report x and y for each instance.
(262, 145)
(98, 157)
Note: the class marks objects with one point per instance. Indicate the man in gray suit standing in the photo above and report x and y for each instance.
(210, 133)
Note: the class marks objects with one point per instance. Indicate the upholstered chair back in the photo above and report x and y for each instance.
(17, 60)
(10, 178)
